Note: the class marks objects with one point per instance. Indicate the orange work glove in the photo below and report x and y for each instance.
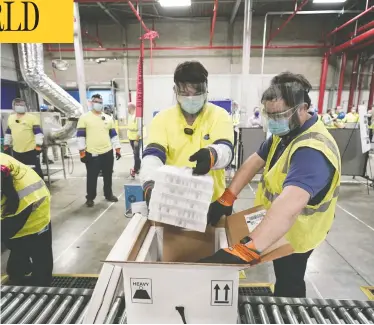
(221, 207)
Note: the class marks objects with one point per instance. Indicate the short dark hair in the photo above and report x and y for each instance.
(292, 88)
(98, 96)
(190, 72)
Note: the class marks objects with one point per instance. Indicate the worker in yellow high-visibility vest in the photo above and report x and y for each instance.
(97, 137)
(299, 187)
(24, 135)
(352, 116)
(26, 224)
(134, 136)
(193, 133)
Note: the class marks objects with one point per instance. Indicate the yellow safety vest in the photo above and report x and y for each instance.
(312, 225)
(351, 118)
(132, 131)
(31, 189)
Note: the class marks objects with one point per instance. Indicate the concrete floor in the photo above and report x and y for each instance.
(83, 237)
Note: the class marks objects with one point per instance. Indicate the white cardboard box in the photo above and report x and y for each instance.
(208, 293)
(162, 273)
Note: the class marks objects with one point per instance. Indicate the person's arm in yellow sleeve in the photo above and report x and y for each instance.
(8, 139)
(220, 153)
(114, 139)
(39, 136)
(81, 138)
(154, 155)
(222, 135)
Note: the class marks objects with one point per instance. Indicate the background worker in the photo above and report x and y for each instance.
(329, 118)
(25, 224)
(299, 197)
(25, 135)
(96, 136)
(193, 133)
(255, 121)
(352, 116)
(134, 135)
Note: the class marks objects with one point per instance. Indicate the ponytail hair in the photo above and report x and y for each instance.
(8, 191)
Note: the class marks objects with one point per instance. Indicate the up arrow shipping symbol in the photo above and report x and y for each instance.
(221, 293)
(216, 288)
(226, 288)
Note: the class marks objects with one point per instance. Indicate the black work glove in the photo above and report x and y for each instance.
(221, 207)
(205, 159)
(118, 154)
(148, 187)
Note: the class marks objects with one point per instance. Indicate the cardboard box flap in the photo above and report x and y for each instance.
(241, 224)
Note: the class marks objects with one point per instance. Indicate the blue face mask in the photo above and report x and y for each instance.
(192, 104)
(279, 127)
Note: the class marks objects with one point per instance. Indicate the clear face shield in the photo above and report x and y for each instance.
(191, 97)
(278, 117)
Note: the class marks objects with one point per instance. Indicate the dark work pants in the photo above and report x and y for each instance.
(29, 158)
(32, 253)
(289, 274)
(136, 152)
(104, 163)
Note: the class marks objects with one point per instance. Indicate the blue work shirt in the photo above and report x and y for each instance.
(309, 168)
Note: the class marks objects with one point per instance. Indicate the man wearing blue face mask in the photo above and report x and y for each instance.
(193, 133)
(299, 186)
(96, 136)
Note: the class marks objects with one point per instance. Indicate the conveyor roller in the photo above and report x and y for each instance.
(37, 305)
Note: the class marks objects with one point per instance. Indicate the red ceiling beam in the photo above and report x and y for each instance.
(350, 21)
(278, 30)
(351, 43)
(363, 46)
(215, 8)
(186, 48)
(362, 29)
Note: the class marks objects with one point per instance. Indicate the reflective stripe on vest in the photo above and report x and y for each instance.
(315, 136)
(306, 211)
(29, 189)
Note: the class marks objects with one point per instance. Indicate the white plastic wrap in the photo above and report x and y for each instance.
(180, 198)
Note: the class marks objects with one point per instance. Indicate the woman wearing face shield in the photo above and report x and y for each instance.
(25, 136)
(299, 186)
(193, 133)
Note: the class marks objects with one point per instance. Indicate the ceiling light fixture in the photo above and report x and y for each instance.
(175, 3)
(328, 1)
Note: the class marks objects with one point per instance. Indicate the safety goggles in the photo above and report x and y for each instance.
(189, 89)
(280, 113)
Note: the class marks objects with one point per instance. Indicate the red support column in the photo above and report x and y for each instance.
(341, 79)
(352, 88)
(360, 81)
(371, 92)
(322, 85)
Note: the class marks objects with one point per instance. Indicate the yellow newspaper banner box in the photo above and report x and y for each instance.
(36, 21)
